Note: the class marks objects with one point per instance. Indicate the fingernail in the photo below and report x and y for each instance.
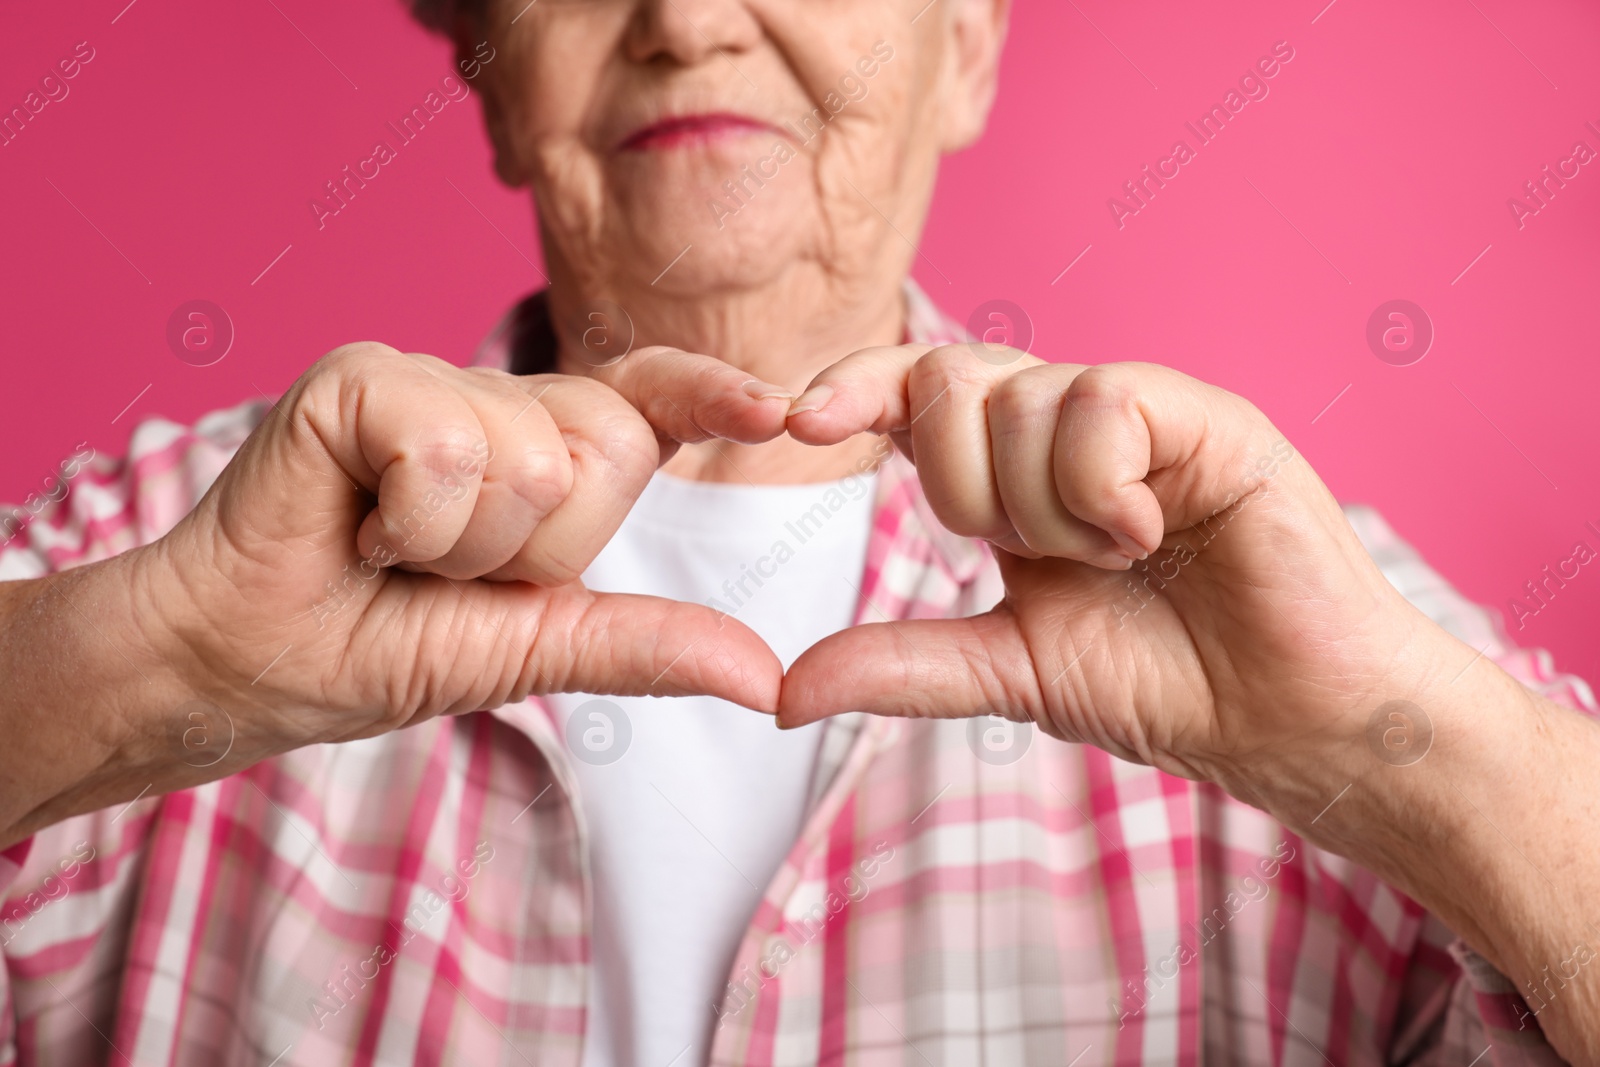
(757, 389)
(812, 399)
(1130, 548)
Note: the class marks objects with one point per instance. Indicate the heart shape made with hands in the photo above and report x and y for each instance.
(1253, 600)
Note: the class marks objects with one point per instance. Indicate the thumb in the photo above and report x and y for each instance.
(928, 669)
(630, 645)
(568, 639)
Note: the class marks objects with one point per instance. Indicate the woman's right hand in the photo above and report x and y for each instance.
(399, 539)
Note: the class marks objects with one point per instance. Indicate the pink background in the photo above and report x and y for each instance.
(1379, 167)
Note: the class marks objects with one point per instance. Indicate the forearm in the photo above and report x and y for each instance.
(83, 687)
(1495, 829)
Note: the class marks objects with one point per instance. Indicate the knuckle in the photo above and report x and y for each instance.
(951, 369)
(625, 447)
(325, 393)
(943, 365)
(617, 434)
(541, 477)
(1099, 498)
(1106, 387)
(634, 449)
(1245, 410)
(356, 358)
(451, 452)
(452, 441)
(1021, 401)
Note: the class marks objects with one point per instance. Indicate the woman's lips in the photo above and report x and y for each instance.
(685, 130)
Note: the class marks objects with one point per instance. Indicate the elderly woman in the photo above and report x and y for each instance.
(396, 721)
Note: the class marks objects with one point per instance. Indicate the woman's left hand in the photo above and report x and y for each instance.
(1258, 631)
(1257, 646)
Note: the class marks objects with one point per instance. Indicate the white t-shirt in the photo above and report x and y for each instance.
(691, 802)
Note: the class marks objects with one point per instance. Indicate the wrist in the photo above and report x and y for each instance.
(221, 645)
(1393, 800)
(1385, 716)
(213, 720)
(1443, 789)
(84, 695)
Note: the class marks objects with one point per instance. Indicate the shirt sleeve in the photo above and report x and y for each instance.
(1457, 1008)
(93, 506)
(67, 893)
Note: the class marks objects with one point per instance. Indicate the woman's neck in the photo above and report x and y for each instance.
(784, 334)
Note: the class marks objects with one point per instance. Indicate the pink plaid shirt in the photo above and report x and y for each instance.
(422, 897)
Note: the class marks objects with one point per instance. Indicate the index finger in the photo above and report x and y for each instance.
(688, 397)
(878, 390)
(865, 392)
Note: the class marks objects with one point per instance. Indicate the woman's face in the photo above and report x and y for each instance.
(734, 140)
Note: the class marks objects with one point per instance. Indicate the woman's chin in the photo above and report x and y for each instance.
(725, 270)
(681, 250)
